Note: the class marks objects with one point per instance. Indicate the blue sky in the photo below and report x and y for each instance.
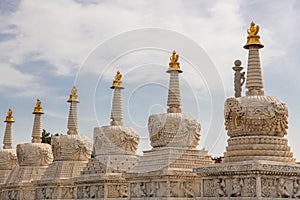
(48, 46)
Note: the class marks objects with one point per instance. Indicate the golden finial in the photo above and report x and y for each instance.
(174, 57)
(38, 108)
(174, 64)
(117, 83)
(73, 96)
(253, 29)
(9, 117)
(253, 38)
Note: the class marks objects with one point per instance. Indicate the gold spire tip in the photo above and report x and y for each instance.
(174, 65)
(253, 38)
(9, 117)
(117, 83)
(38, 108)
(73, 96)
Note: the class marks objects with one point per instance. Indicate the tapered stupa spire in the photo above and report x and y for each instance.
(254, 81)
(37, 124)
(116, 110)
(73, 117)
(174, 99)
(7, 140)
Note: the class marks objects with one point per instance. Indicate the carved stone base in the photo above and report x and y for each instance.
(105, 186)
(19, 184)
(166, 173)
(175, 185)
(59, 189)
(57, 181)
(250, 180)
(102, 177)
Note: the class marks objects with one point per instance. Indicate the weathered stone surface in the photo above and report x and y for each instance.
(256, 179)
(71, 148)
(8, 159)
(174, 130)
(256, 115)
(34, 154)
(109, 140)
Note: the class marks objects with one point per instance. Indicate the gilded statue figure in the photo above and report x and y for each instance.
(118, 76)
(38, 103)
(74, 90)
(9, 113)
(253, 29)
(174, 57)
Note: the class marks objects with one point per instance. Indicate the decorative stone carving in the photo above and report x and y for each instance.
(219, 188)
(46, 193)
(8, 159)
(296, 189)
(68, 192)
(138, 190)
(252, 115)
(255, 124)
(237, 185)
(182, 189)
(34, 154)
(174, 130)
(117, 191)
(71, 147)
(282, 189)
(214, 187)
(177, 189)
(115, 140)
(10, 195)
(249, 187)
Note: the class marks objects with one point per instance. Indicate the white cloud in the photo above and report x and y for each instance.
(12, 78)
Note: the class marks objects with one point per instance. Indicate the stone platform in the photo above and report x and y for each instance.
(250, 180)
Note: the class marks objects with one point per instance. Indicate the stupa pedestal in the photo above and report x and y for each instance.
(115, 149)
(33, 159)
(257, 163)
(165, 171)
(71, 154)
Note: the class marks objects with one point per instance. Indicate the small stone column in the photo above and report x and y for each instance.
(258, 186)
(116, 110)
(37, 124)
(239, 78)
(73, 116)
(174, 98)
(254, 82)
(7, 140)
